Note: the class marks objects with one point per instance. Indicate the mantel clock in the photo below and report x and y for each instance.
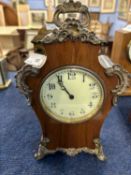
(74, 90)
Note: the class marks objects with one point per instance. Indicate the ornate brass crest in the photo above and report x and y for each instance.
(71, 28)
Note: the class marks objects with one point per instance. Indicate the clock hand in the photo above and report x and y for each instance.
(60, 82)
(70, 95)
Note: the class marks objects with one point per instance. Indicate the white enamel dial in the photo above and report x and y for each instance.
(71, 94)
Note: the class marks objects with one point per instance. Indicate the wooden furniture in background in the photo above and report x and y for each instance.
(129, 13)
(23, 14)
(15, 41)
(108, 6)
(50, 11)
(100, 28)
(9, 39)
(15, 59)
(95, 15)
(120, 52)
(4, 81)
(10, 15)
(2, 16)
(95, 26)
(102, 31)
(94, 4)
(38, 18)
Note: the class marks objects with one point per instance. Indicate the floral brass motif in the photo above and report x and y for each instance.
(72, 7)
(70, 29)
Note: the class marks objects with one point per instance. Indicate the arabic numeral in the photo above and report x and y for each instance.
(71, 113)
(49, 96)
(51, 86)
(53, 105)
(61, 111)
(71, 75)
(90, 104)
(92, 85)
(94, 96)
(84, 77)
(82, 111)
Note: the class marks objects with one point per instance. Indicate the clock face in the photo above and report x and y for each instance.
(71, 94)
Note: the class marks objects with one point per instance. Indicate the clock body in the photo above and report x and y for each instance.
(65, 133)
(71, 93)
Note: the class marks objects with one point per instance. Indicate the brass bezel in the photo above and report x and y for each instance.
(80, 119)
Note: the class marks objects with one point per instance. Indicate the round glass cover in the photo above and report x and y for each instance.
(71, 94)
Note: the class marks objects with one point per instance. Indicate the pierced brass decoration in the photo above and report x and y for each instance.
(70, 29)
(43, 150)
(72, 7)
(123, 83)
(21, 80)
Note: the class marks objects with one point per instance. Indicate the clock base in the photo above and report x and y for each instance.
(43, 150)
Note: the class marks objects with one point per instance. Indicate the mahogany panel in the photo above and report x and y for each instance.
(80, 134)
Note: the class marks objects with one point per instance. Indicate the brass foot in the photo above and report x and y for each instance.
(99, 150)
(42, 150)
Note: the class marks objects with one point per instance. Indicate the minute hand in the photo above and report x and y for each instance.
(60, 82)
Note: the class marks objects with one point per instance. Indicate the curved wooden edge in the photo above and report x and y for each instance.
(10, 15)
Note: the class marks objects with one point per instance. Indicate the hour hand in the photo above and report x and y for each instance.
(60, 82)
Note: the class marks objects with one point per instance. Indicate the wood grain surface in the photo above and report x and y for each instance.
(80, 134)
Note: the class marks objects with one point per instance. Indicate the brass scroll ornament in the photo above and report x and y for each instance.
(115, 69)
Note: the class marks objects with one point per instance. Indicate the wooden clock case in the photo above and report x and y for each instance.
(70, 44)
